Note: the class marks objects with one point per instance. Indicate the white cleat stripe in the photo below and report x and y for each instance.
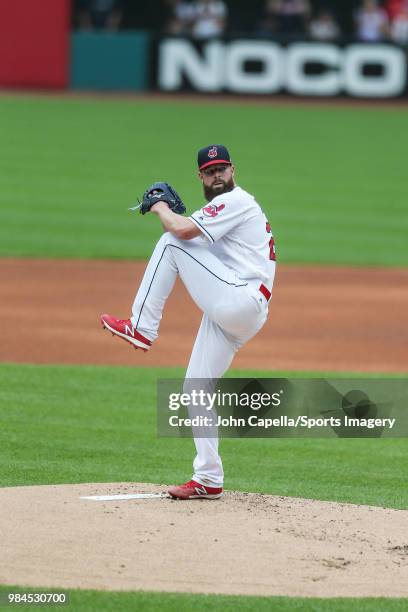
(131, 340)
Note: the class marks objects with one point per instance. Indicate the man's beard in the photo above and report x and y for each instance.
(211, 192)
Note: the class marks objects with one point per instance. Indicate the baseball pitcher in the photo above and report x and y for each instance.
(224, 254)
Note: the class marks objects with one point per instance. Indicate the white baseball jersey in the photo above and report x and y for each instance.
(239, 234)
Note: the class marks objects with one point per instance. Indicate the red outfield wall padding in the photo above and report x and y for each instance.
(34, 43)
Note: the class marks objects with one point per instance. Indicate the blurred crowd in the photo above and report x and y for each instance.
(371, 20)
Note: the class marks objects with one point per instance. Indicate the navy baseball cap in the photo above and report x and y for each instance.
(213, 154)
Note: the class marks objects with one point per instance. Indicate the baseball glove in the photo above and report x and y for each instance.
(165, 193)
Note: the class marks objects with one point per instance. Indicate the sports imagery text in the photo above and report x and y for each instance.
(302, 421)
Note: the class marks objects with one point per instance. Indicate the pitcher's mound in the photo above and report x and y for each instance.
(244, 543)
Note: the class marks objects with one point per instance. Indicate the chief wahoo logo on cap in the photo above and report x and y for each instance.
(212, 152)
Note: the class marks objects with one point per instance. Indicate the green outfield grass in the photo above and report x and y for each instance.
(332, 180)
(90, 601)
(98, 424)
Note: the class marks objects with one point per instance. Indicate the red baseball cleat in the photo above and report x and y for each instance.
(124, 329)
(195, 490)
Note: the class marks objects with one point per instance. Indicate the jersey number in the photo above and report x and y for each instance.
(272, 254)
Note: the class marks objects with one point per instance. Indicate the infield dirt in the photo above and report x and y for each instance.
(322, 318)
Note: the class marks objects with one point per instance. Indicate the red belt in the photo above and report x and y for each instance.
(265, 292)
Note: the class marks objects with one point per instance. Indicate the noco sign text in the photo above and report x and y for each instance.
(223, 66)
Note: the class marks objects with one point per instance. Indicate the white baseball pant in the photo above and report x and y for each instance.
(233, 312)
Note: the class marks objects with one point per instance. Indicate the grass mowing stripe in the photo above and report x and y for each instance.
(98, 424)
(88, 600)
(62, 157)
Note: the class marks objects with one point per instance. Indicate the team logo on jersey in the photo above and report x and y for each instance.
(212, 210)
(213, 152)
